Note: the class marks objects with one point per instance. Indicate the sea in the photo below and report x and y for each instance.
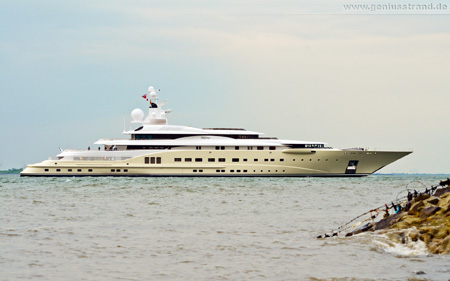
(107, 228)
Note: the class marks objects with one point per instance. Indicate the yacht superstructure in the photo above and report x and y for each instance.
(156, 148)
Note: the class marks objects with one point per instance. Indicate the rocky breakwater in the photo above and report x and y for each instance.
(425, 217)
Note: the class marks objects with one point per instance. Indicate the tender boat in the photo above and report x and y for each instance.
(156, 148)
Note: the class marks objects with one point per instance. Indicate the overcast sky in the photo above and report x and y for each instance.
(304, 70)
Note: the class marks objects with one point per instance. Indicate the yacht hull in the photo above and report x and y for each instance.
(212, 163)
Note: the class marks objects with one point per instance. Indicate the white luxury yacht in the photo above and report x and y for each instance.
(156, 148)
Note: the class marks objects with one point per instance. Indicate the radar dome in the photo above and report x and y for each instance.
(153, 95)
(151, 89)
(137, 115)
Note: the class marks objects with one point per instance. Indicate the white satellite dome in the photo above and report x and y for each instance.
(137, 115)
(153, 95)
(151, 89)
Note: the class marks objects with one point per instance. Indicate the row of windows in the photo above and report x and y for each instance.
(89, 170)
(152, 160)
(222, 160)
(237, 171)
(234, 159)
(238, 148)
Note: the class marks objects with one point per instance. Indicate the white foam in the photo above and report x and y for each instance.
(401, 246)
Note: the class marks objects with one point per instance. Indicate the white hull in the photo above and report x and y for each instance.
(279, 163)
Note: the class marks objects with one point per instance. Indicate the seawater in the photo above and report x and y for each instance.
(204, 229)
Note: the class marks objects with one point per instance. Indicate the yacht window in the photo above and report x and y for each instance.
(177, 159)
(217, 147)
(260, 148)
(266, 160)
(201, 171)
(198, 159)
(158, 160)
(112, 170)
(117, 170)
(195, 171)
(221, 159)
(79, 170)
(272, 148)
(245, 171)
(58, 170)
(188, 159)
(235, 159)
(46, 170)
(236, 148)
(198, 147)
(238, 171)
(152, 160)
(222, 148)
(69, 170)
(125, 170)
(281, 160)
(211, 159)
(147, 160)
(90, 170)
(271, 160)
(256, 159)
(245, 160)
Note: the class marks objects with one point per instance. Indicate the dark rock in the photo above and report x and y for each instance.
(429, 211)
(441, 191)
(387, 222)
(422, 197)
(408, 206)
(433, 200)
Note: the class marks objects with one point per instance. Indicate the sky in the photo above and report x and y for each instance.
(71, 71)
